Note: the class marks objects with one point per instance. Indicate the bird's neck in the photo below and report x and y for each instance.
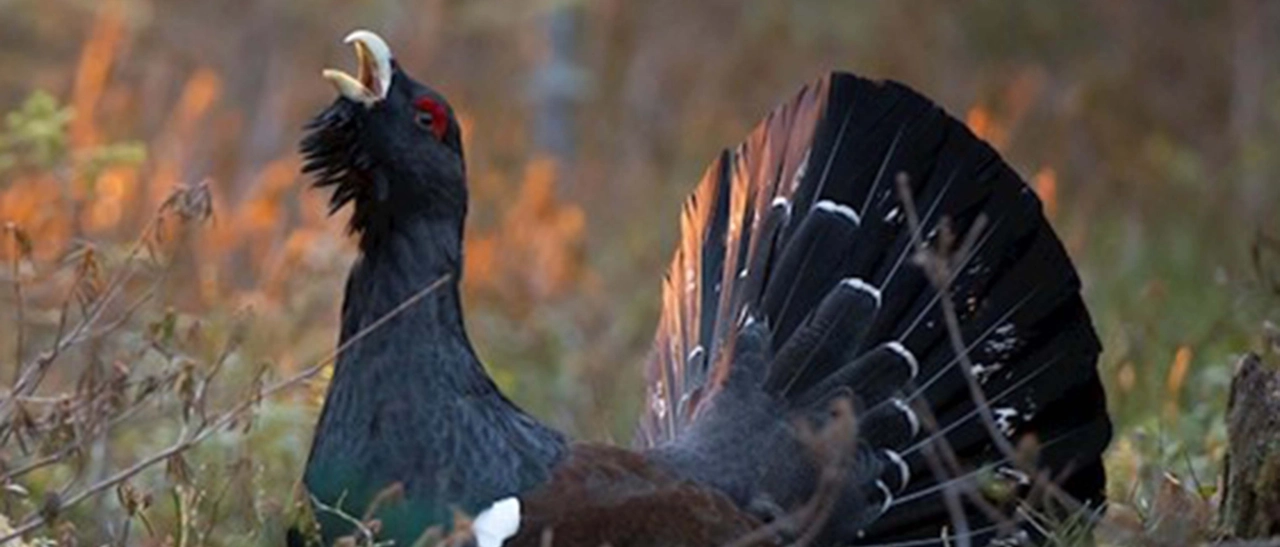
(403, 333)
(409, 402)
(406, 281)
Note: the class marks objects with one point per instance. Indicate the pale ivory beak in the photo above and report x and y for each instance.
(373, 70)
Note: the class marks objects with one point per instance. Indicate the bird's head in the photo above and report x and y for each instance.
(388, 144)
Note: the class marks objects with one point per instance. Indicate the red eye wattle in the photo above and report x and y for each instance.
(438, 117)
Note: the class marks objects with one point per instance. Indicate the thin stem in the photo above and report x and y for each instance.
(188, 439)
(19, 311)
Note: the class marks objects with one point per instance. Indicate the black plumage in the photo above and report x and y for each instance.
(409, 402)
(820, 247)
(793, 286)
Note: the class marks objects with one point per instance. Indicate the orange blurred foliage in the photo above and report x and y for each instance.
(92, 72)
(1177, 377)
(979, 121)
(1045, 184)
(536, 250)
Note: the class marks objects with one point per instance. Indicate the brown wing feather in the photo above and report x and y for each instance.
(604, 495)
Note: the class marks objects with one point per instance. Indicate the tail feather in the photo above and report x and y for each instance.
(758, 178)
(803, 229)
(787, 304)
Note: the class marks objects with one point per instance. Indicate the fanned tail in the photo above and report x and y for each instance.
(797, 282)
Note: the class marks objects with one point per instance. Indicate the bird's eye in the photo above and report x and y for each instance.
(424, 119)
(432, 116)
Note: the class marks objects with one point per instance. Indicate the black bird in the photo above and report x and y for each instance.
(798, 283)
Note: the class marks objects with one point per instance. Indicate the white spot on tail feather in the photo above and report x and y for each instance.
(1018, 539)
(658, 401)
(696, 353)
(897, 347)
(903, 468)
(888, 496)
(983, 372)
(1004, 341)
(801, 170)
(911, 415)
(839, 209)
(1014, 475)
(1029, 407)
(783, 202)
(1004, 419)
(893, 215)
(495, 525)
(860, 285)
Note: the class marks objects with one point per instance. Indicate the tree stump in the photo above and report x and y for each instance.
(1251, 496)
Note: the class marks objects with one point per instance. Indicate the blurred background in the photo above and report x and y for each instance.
(1150, 129)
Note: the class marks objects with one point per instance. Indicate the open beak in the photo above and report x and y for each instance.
(373, 70)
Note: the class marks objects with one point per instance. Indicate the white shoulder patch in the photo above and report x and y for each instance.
(498, 523)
